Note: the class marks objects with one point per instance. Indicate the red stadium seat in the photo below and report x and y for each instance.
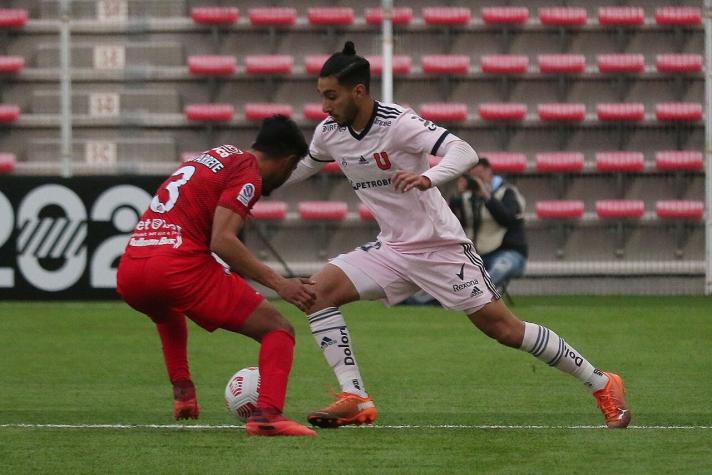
(446, 15)
(562, 112)
(559, 209)
(679, 111)
(506, 162)
(504, 64)
(401, 64)
(330, 15)
(314, 112)
(679, 160)
(9, 112)
(13, 17)
(680, 209)
(209, 112)
(212, 65)
(622, 162)
(269, 210)
(446, 64)
(621, 16)
(269, 64)
(503, 111)
(621, 112)
(11, 64)
(679, 63)
(505, 15)
(444, 112)
(620, 209)
(559, 162)
(273, 16)
(331, 167)
(399, 16)
(563, 16)
(620, 63)
(215, 15)
(364, 213)
(562, 63)
(263, 110)
(8, 161)
(314, 62)
(323, 210)
(683, 16)
(188, 156)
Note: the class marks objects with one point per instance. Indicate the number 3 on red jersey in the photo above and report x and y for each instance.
(173, 189)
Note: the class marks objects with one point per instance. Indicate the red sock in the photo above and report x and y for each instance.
(276, 353)
(174, 338)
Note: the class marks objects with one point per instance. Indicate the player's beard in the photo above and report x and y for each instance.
(349, 115)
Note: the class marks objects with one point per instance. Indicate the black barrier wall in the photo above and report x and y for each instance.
(62, 238)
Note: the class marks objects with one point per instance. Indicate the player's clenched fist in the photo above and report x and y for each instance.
(406, 181)
(298, 291)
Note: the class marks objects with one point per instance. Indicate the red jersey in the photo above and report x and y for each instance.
(179, 219)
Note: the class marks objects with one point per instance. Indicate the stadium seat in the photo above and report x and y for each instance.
(446, 15)
(13, 17)
(444, 112)
(9, 113)
(680, 209)
(504, 64)
(445, 64)
(215, 15)
(505, 15)
(330, 15)
(8, 161)
(364, 213)
(313, 111)
(679, 63)
(559, 209)
(11, 64)
(322, 210)
(506, 162)
(503, 111)
(273, 16)
(562, 16)
(209, 112)
(269, 64)
(401, 64)
(621, 16)
(620, 112)
(682, 16)
(263, 110)
(212, 65)
(331, 167)
(562, 63)
(620, 63)
(188, 156)
(399, 15)
(678, 111)
(620, 162)
(562, 112)
(620, 209)
(269, 211)
(314, 62)
(679, 160)
(559, 162)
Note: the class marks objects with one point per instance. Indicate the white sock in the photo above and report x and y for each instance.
(550, 348)
(332, 336)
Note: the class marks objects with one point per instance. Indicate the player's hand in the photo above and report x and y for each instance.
(298, 291)
(406, 181)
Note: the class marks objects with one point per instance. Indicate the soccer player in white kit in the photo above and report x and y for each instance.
(383, 151)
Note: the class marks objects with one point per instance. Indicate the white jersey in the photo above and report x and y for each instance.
(394, 139)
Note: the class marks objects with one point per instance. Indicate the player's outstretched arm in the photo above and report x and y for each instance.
(305, 168)
(224, 243)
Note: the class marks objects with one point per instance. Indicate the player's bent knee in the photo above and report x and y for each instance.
(498, 323)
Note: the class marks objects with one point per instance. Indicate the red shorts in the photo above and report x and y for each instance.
(164, 286)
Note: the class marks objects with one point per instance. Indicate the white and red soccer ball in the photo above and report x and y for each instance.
(241, 393)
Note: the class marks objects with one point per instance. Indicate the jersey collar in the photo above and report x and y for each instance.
(363, 133)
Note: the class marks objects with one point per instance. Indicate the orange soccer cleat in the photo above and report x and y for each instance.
(272, 423)
(611, 402)
(347, 409)
(185, 403)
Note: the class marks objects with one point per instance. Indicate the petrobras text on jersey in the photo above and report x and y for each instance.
(370, 184)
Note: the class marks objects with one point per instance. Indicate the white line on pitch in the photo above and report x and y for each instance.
(441, 426)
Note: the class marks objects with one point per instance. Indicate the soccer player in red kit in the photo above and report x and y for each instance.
(167, 271)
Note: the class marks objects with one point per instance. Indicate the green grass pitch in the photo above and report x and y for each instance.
(100, 363)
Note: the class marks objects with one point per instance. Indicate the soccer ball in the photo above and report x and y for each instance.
(241, 393)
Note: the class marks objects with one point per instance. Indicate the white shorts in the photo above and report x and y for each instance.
(453, 274)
